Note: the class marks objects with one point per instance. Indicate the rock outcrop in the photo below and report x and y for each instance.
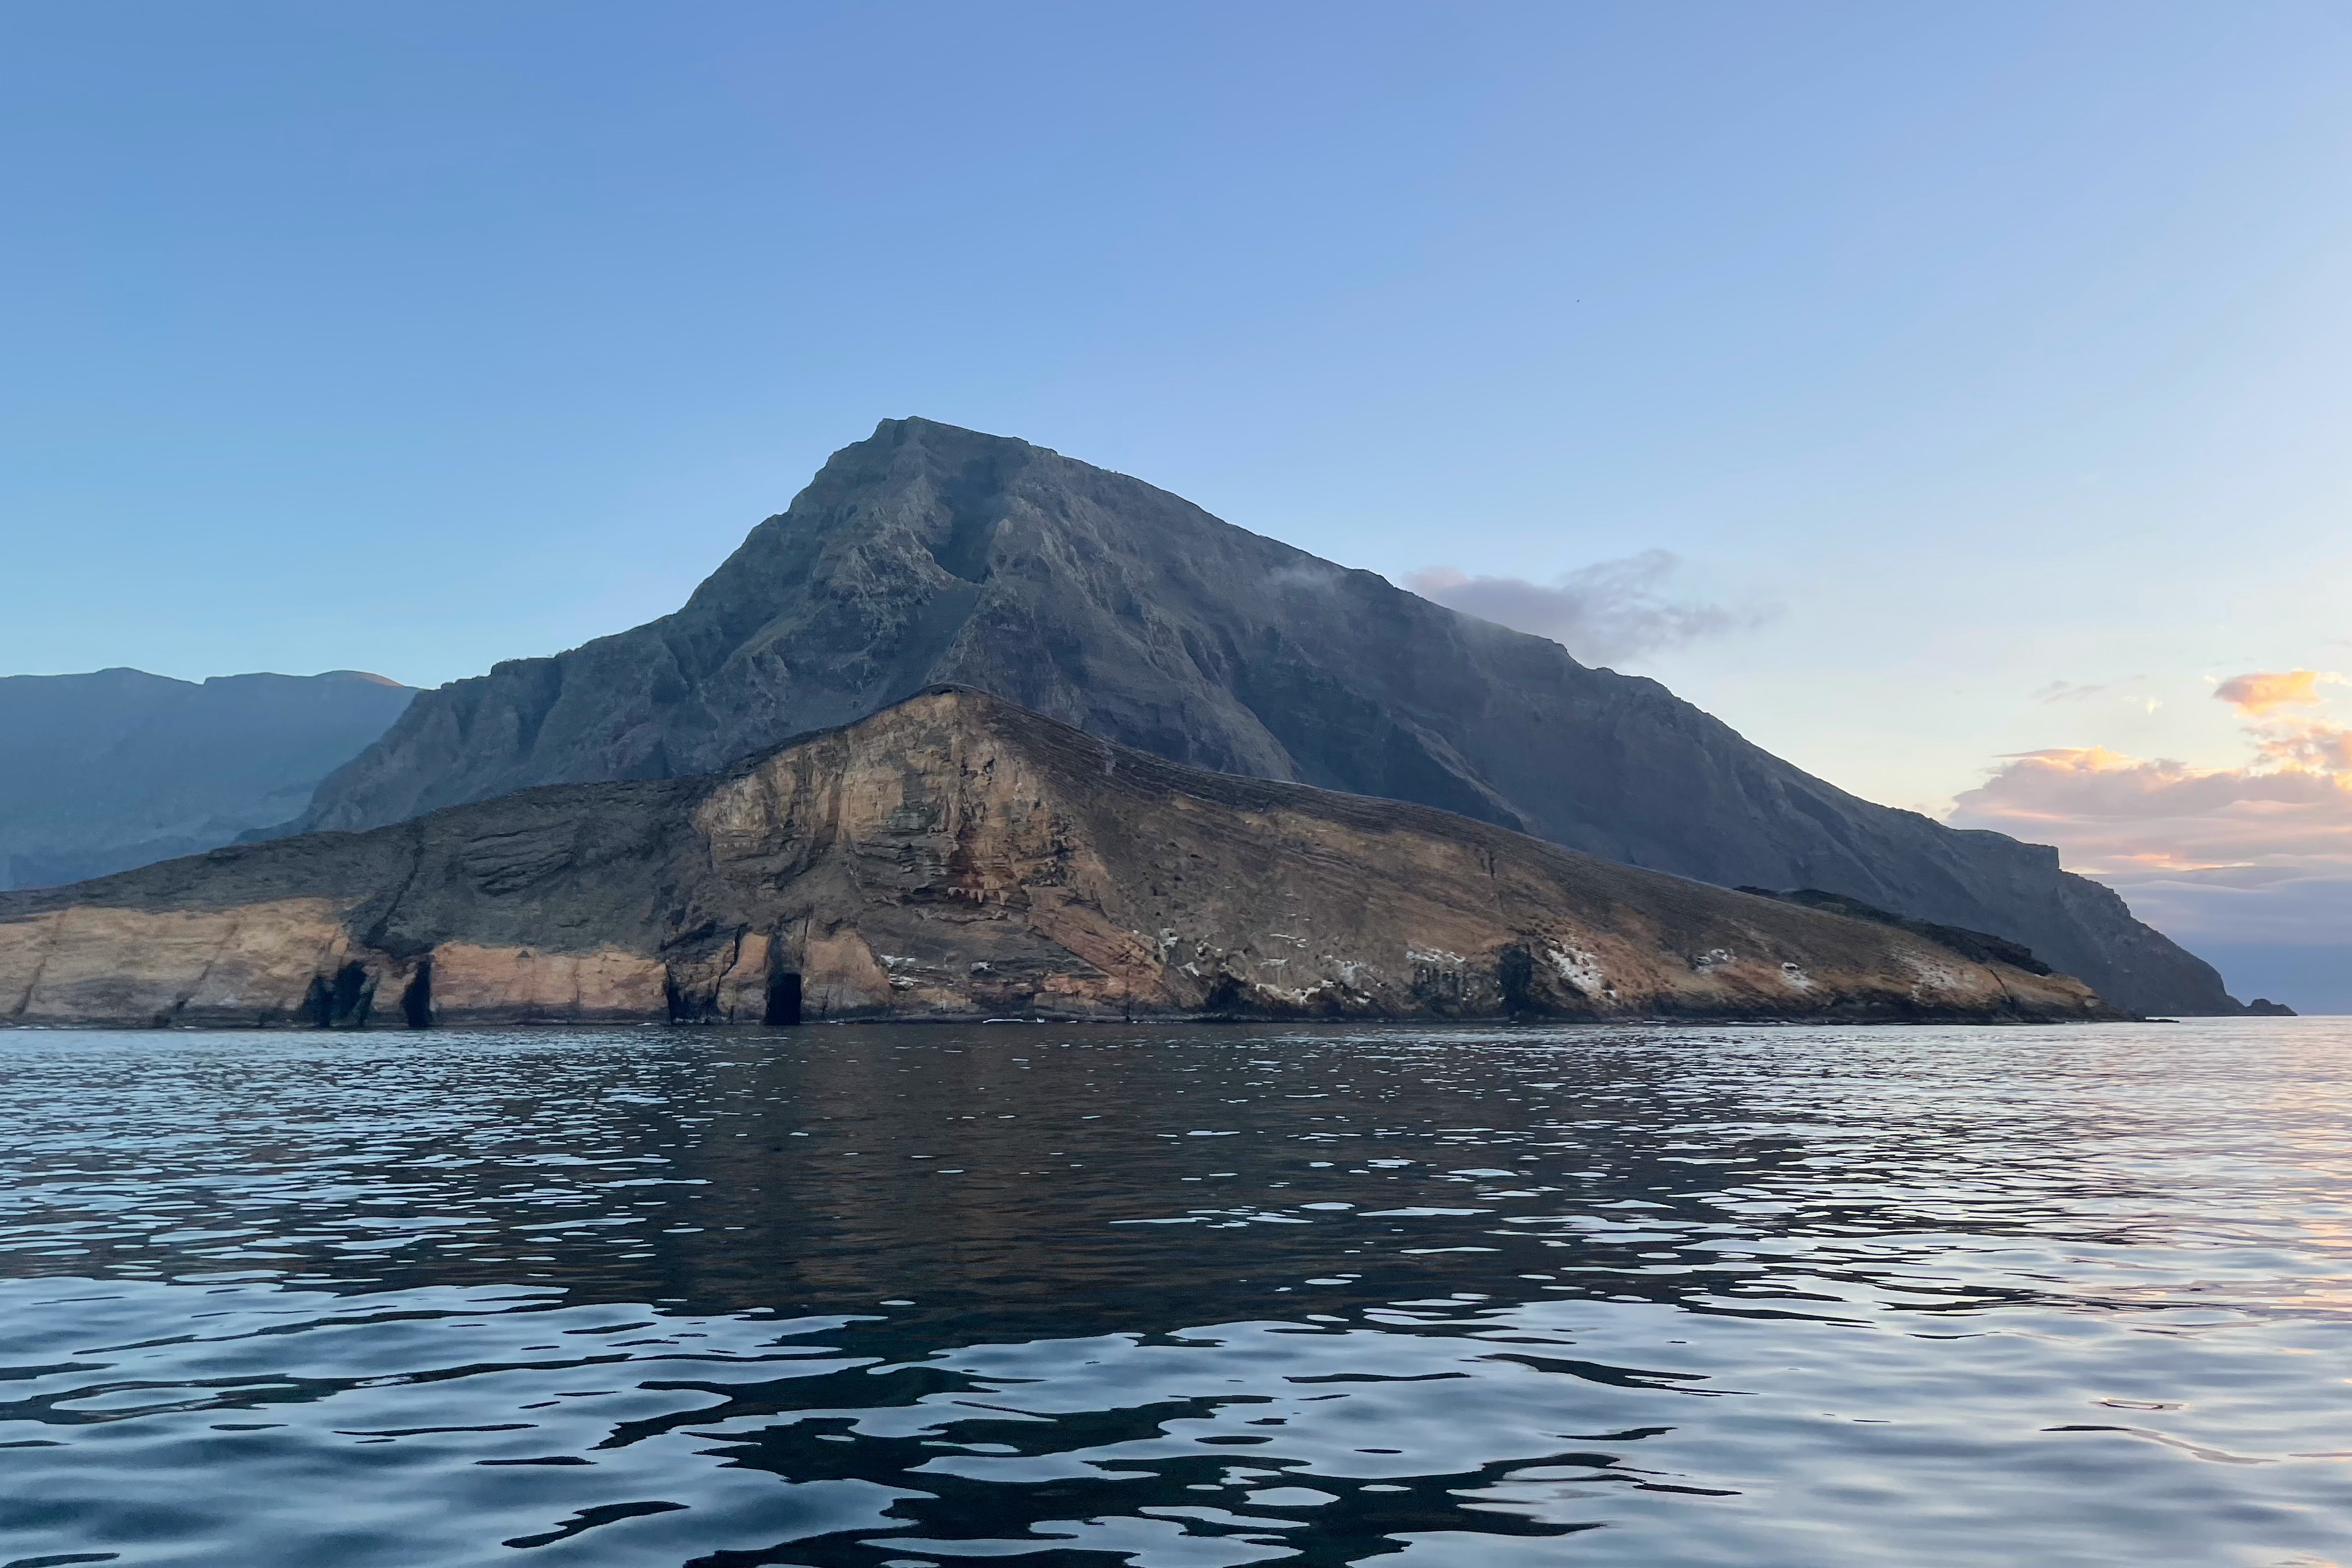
(112, 769)
(1979, 944)
(932, 554)
(954, 856)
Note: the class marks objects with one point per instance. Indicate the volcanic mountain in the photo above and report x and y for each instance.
(929, 554)
(955, 856)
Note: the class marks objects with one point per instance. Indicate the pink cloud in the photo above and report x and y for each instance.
(2308, 746)
(2261, 853)
(2260, 692)
(2109, 812)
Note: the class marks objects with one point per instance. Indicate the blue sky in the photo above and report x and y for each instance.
(1988, 364)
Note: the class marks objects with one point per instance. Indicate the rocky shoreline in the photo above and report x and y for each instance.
(956, 857)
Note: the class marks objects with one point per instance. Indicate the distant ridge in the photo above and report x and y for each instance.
(928, 553)
(103, 772)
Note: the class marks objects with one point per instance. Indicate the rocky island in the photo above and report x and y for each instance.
(930, 554)
(956, 856)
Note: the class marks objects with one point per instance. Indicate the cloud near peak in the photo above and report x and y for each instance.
(1602, 613)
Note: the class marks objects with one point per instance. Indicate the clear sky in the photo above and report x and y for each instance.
(1986, 370)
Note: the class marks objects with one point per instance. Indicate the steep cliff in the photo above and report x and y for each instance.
(953, 856)
(115, 768)
(932, 554)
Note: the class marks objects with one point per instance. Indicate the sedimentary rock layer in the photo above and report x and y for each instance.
(932, 554)
(954, 856)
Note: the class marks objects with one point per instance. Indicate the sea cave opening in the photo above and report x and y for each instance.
(783, 998)
(416, 1001)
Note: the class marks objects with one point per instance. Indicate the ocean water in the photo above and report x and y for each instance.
(1074, 1296)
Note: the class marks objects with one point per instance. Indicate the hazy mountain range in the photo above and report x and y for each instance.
(103, 772)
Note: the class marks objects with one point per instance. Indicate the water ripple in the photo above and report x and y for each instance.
(888, 1298)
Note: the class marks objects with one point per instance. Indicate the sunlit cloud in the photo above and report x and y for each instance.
(1611, 611)
(2257, 854)
(2262, 692)
(2107, 811)
(2306, 746)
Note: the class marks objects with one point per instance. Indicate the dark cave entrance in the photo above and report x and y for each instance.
(416, 1001)
(783, 998)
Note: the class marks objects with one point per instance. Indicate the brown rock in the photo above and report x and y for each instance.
(954, 856)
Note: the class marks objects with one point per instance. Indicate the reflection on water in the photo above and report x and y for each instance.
(1179, 1298)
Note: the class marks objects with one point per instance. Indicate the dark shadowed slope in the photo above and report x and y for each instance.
(954, 856)
(928, 553)
(102, 771)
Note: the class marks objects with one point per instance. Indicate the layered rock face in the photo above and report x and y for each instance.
(932, 554)
(103, 772)
(953, 856)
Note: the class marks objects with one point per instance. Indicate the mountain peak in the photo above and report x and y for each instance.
(930, 553)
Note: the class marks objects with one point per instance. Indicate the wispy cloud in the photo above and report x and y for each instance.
(1611, 611)
(2308, 904)
(2069, 691)
(2124, 691)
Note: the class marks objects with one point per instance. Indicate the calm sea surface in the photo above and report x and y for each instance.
(1179, 1298)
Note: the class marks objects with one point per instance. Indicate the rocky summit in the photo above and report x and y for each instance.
(955, 856)
(929, 554)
